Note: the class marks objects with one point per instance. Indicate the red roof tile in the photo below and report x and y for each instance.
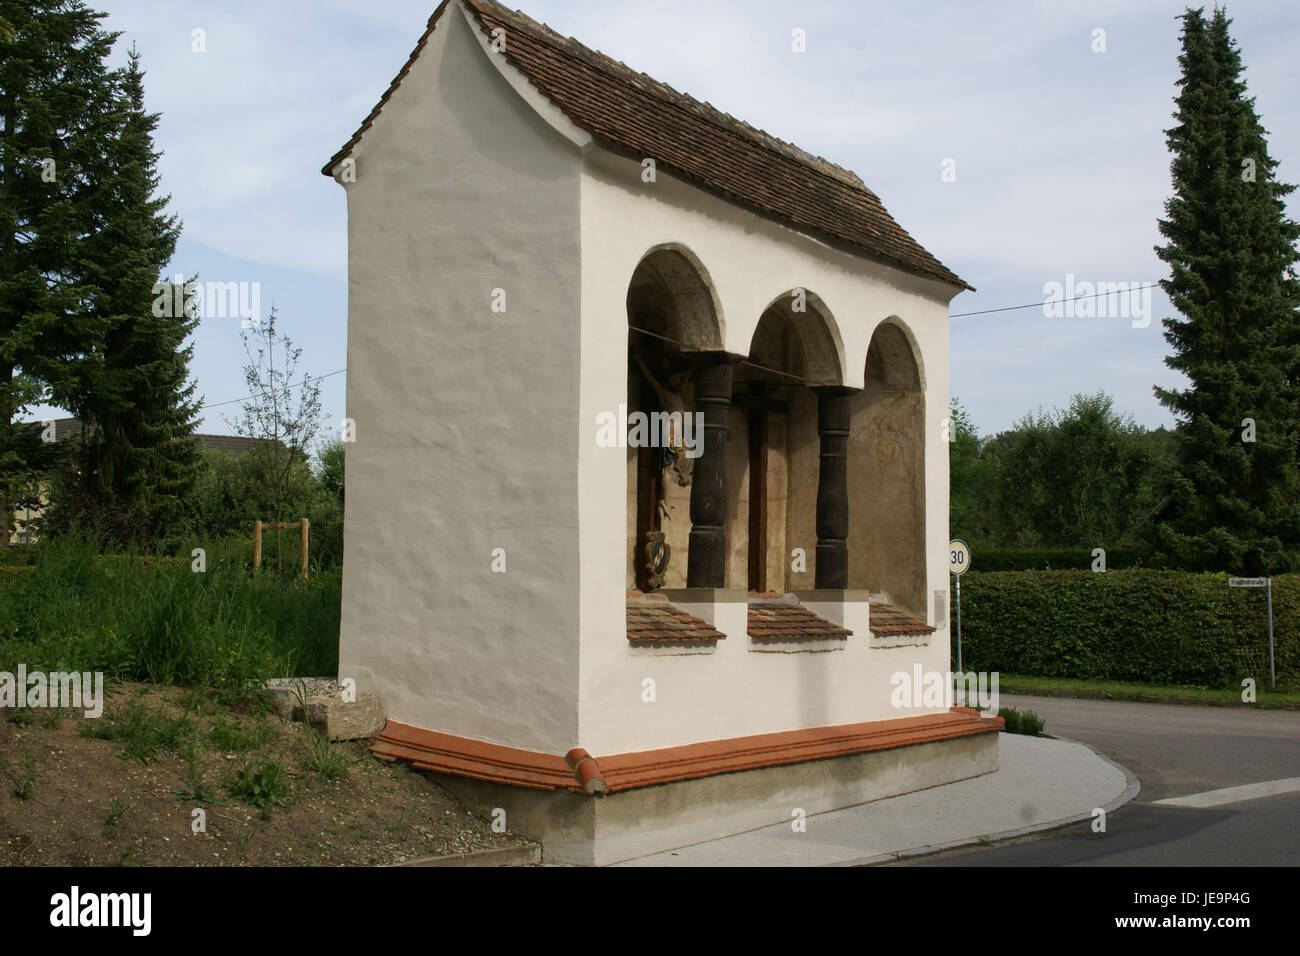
(629, 113)
(773, 617)
(888, 619)
(651, 619)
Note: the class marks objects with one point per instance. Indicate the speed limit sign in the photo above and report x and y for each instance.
(958, 564)
(958, 556)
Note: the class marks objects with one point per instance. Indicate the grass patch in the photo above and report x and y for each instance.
(1151, 693)
(193, 701)
(143, 732)
(27, 783)
(132, 726)
(137, 617)
(328, 760)
(114, 818)
(237, 738)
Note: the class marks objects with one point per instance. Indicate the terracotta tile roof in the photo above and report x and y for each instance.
(631, 114)
(778, 617)
(579, 772)
(652, 619)
(888, 619)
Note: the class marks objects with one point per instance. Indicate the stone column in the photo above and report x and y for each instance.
(832, 568)
(706, 561)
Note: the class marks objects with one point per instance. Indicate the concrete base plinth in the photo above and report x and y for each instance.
(598, 830)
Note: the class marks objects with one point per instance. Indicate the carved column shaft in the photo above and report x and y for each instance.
(833, 413)
(706, 563)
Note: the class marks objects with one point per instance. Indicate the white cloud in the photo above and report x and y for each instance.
(1060, 151)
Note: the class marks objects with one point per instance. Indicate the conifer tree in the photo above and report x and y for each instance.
(132, 387)
(1231, 252)
(56, 99)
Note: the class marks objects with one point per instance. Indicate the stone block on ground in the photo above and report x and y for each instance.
(282, 693)
(347, 720)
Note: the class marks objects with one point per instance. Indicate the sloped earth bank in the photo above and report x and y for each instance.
(273, 793)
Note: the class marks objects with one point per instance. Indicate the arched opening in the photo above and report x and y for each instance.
(672, 318)
(773, 449)
(887, 474)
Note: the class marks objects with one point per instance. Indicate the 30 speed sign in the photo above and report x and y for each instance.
(958, 556)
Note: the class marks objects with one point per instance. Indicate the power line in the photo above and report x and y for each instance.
(1040, 304)
(286, 388)
(754, 365)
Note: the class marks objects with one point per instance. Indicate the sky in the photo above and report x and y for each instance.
(1012, 139)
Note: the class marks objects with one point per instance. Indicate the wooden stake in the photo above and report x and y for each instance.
(304, 548)
(257, 545)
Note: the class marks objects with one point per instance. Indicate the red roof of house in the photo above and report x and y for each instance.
(631, 114)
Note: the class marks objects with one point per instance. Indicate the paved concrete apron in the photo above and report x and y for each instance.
(1038, 782)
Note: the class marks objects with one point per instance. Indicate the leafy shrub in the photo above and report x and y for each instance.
(1031, 723)
(1028, 723)
(1011, 717)
(263, 785)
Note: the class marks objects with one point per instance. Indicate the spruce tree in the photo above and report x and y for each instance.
(56, 99)
(133, 387)
(1231, 252)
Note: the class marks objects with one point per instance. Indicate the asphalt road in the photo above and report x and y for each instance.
(1174, 751)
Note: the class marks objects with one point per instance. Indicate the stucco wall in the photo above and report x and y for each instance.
(886, 496)
(750, 261)
(466, 425)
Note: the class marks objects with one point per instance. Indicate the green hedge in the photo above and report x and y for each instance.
(1155, 627)
(1051, 559)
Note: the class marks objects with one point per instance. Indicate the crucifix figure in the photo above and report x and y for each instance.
(669, 393)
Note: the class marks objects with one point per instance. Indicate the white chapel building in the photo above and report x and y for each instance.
(648, 504)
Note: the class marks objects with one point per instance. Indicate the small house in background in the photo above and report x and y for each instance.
(70, 429)
(648, 504)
